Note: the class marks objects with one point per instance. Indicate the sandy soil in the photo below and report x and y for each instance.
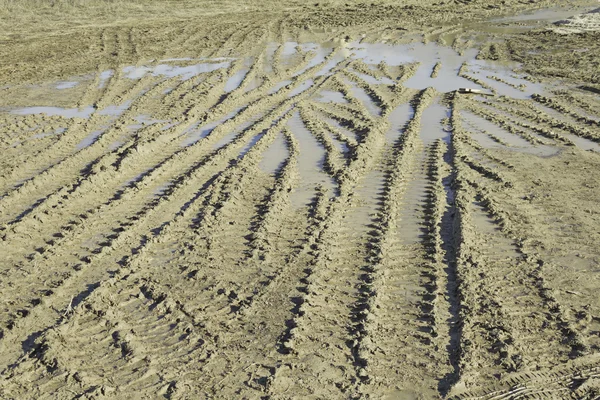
(297, 202)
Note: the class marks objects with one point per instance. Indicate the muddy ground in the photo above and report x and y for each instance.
(294, 200)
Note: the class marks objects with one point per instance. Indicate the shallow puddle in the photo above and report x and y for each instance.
(235, 80)
(514, 87)
(305, 85)
(363, 97)
(275, 155)
(89, 139)
(171, 71)
(85, 112)
(196, 134)
(66, 85)
(330, 96)
(310, 164)
(398, 119)
(543, 15)
(432, 127)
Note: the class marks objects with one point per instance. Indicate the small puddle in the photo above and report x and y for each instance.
(58, 131)
(543, 15)
(372, 80)
(66, 85)
(161, 189)
(171, 71)
(330, 96)
(336, 124)
(251, 143)
(85, 112)
(432, 127)
(279, 86)
(398, 119)
(235, 80)
(104, 76)
(275, 155)
(305, 85)
(310, 164)
(486, 70)
(115, 111)
(196, 134)
(361, 95)
(89, 139)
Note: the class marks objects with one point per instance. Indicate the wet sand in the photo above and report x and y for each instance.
(301, 204)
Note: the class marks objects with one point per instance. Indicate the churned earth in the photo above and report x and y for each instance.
(290, 200)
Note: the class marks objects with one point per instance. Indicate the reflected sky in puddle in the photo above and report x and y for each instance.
(89, 139)
(330, 96)
(85, 112)
(104, 76)
(432, 127)
(66, 85)
(171, 71)
(301, 87)
(310, 164)
(275, 155)
(235, 80)
(46, 134)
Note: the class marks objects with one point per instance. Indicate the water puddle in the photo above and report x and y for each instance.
(275, 155)
(332, 63)
(195, 134)
(254, 84)
(398, 118)
(58, 131)
(320, 54)
(427, 55)
(372, 80)
(543, 15)
(161, 189)
(115, 111)
(330, 96)
(104, 77)
(432, 127)
(310, 164)
(66, 85)
(235, 80)
(361, 95)
(305, 85)
(235, 132)
(89, 139)
(251, 143)
(343, 130)
(171, 71)
(279, 86)
(85, 112)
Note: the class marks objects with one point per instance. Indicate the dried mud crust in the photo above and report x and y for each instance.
(294, 222)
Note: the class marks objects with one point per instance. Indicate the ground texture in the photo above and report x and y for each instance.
(297, 202)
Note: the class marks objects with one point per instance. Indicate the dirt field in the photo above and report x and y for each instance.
(295, 201)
